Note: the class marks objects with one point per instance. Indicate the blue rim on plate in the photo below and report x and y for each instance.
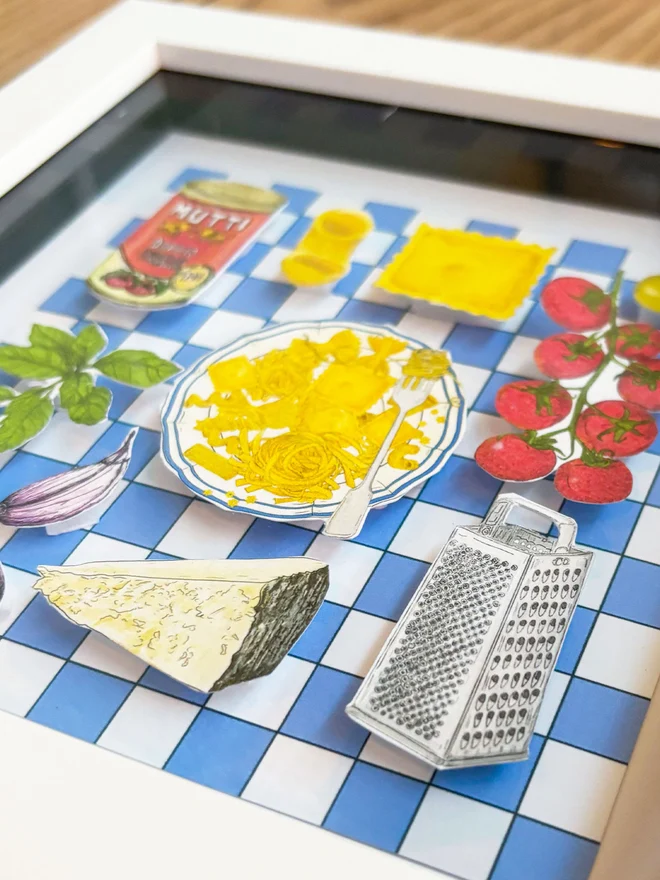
(193, 476)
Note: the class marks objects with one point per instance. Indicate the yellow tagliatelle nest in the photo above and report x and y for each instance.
(301, 421)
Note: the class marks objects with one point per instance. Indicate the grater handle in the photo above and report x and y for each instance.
(504, 504)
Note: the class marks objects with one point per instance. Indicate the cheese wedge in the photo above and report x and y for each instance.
(208, 624)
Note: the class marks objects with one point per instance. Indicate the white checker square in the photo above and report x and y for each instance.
(596, 278)
(622, 654)
(572, 789)
(6, 532)
(554, 694)
(156, 474)
(373, 247)
(369, 291)
(18, 329)
(456, 834)
(115, 316)
(165, 348)
(270, 267)
(357, 643)
(350, 565)
(66, 441)
(518, 359)
(148, 726)
(430, 331)
(298, 779)
(479, 427)
(472, 380)
(378, 751)
(265, 700)
(644, 543)
(219, 289)
(426, 529)
(278, 226)
(310, 305)
(95, 548)
(19, 593)
(205, 532)
(644, 468)
(601, 572)
(224, 327)
(24, 676)
(145, 409)
(102, 654)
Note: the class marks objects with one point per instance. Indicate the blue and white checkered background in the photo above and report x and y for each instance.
(283, 741)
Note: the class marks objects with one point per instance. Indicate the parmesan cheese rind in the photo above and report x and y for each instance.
(206, 624)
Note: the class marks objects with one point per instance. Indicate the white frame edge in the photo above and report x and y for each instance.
(52, 102)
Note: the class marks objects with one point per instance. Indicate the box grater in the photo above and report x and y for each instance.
(460, 680)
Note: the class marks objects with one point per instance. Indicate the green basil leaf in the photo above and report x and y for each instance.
(88, 343)
(25, 417)
(35, 362)
(75, 388)
(142, 369)
(6, 393)
(93, 408)
(42, 336)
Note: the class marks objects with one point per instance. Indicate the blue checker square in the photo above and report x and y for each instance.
(123, 396)
(318, 716)
(655, 447)
(538, 325)
(538, 852)
(121, 236)
(375, 806)
(177, 324)
(353, 280)
(72, 298)
(257, 297)
(314, 642)
(29, 548)
(299, 199)
(42, 627)
(220, 751)
(600, 719)
(477, 346)
(156, 680)
(248, 261)
(370, 313)
(654, 494)
(628, 308)
(501, 785)
(546, 278)
(80, 701)
(470, 488)
(142, 515)
(635, 592)
(576, 638)
(391, 586)
(161, 557)
(266, 538)
(295, 232)
(189, 174)
(189, 355)
(395, 248)
(589, 256)
(390, 218)
(492, 229)
(486, 401)
(383, 523)
(25, 468)
(604, 526)
(145, 446)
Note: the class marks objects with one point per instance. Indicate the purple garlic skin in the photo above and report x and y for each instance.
(63, 496)
(2, 583)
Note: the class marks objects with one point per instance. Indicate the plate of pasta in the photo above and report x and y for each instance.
(284, 422)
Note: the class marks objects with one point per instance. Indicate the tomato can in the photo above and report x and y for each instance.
(170, 258)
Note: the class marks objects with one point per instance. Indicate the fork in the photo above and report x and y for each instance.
(350, 514)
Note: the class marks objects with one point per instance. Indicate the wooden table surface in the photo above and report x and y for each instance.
(618, 30)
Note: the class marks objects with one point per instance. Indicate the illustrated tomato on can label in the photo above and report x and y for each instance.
(170, 258)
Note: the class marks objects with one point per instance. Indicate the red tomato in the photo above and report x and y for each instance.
(637, 340)
(616, 428)
(510, 457)
(532, 405)
(568, 355)
(576, 304)
(641, 384)
(594, 484)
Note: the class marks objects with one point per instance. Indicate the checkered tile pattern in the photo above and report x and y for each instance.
(284, 741)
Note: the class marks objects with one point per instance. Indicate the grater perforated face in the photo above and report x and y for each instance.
(441, 639)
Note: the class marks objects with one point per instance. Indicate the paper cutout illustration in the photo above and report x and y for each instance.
(323, 254)
(173, 256)
(466, 271)
(461, 678)
(284, 422)
(2, 583)
(647, 297)
(207, 624)
(66, 496)
(576, 419)
(62, 370)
